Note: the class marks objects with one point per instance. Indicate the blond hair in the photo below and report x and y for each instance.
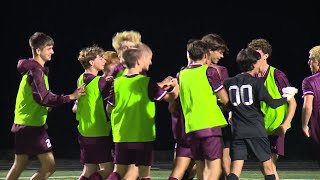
(315, 53)
(131, 36)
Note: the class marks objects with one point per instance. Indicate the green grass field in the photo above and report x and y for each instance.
(163, 175)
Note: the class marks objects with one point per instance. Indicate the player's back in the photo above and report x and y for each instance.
(244, 98)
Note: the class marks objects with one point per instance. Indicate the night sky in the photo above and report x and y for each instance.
(291, 31)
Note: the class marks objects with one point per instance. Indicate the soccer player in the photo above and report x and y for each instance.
(311, 100)
(132, 107)
(277, 120)
(112, 60)
(94, 127)
(183, 163)
(217, 48)
(121, 41)
(34, 100)
(200, 86)
(249, 135)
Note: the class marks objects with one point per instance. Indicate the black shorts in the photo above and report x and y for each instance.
(260, 147)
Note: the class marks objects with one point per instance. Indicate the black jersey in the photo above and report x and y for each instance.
(245, 93)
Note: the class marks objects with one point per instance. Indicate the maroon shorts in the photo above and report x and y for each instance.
(138, 153)
(31, 140)
(207, 148)
(277, 144)
(183, 150)
(95, 150)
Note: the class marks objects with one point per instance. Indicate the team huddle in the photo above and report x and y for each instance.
(217, 120)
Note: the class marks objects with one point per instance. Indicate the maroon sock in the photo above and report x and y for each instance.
(83, 178)
(114, 176)
(95, 176)
(145, 178)
(172, 178)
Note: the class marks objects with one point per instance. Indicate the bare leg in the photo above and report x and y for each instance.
(132, 173)
(200, 169)
(88, 170)
(105, 169)
(121, 170)
(20, 163)
(226, 161)
(144, 171)
(192, 170)
(180, 166)
(214, 169)
(236, 167)
(48, 166)
(274, 164)
(267, 168)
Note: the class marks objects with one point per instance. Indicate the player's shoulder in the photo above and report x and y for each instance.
(311, 78)
(212, 69)
(279, 72)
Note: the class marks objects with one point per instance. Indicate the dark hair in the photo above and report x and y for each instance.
(40, 40)
(197, 49)
(246, 58)
(215, 42)
(261, 44)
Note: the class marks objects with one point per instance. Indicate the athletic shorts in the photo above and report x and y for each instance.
(183, 151)
(95, 150)
(241, 148)
(31, 140)
(277, 144)
(207, 148)
(138, 153)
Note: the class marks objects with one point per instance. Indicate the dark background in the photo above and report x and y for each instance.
(292, 29)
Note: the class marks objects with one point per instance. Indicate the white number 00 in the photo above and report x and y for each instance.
(237, 96)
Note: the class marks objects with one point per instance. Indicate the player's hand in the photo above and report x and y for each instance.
(289, 92)
(165, 84)
(81, 90)
(167, 79)
(306, 131)
(174, 82)
(109, 78)
(281, 130)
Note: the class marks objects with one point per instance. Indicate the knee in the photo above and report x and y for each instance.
(50, 167)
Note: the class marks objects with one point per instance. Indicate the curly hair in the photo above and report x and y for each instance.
(261, 44)
(89, 53)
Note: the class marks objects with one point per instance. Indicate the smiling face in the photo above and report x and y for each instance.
(45, 53)
(216, 55)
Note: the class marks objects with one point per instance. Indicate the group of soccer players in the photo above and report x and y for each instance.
(217, 120)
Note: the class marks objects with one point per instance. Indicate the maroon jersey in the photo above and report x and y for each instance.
(311, 86)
